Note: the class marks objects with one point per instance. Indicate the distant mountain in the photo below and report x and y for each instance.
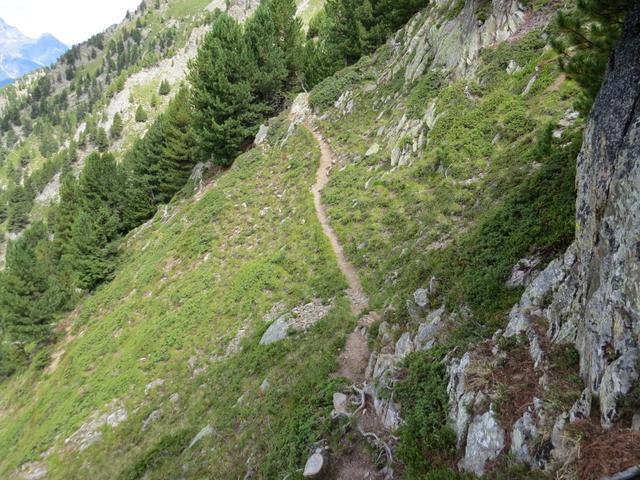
(20, 54)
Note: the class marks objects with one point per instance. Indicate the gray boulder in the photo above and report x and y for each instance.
(277, 331)
(205, 432)
(485, 441)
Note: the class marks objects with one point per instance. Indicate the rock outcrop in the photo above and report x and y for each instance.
(589, 298)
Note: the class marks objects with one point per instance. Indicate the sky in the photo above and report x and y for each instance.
(70, 21)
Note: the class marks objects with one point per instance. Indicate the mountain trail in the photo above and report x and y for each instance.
(356, 464)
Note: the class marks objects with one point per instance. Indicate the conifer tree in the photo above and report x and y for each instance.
(141, 114)
(23, 287)
(225, 115)
(176, 160)
(588, 35)
(165, 87)
(102, 140)
(116, 126)
(18, 209)
(93, 246)
(268, 57)
(289, 36)
(64, 215)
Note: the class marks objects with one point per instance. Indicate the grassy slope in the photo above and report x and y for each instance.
(183, 289)
(480, 169)
(491, 187)
(167, 304)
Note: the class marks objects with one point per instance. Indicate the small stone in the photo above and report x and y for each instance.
(175, 398)
(421, 297)
(373, 150)
(523, 438)
(153, 385)
(340, 403)
(205, 432)
(277, 331)
(404, 346)
(635, 423)
(513, 67)
(261, 135)
(385, 333)
(264, 386)
(153, 416)
(485, 441)
(582, 408)
(315, 467)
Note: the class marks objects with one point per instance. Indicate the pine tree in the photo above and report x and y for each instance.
(289, 36)
(18, 209)
(347, 34)
(588, 35)
(23, 287)
(225, 115)
(94, 246)
(176, 161)
(141, 114)
(268, 57)
(102, 140)
(116, 126)
(64, 215)
(100, 184)
(165, 88)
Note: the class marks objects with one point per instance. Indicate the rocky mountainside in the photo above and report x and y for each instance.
(20, 54)
(424, 267)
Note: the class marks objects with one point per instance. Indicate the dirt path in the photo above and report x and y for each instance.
(357, 464)
(357, 297)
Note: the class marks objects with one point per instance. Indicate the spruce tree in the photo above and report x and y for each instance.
(23, 287)
(176, 161)
(94, 247)
(18, 209)
(116, 126)
(225, 115)
(269, 59)
(64, 215)
(141, 114)
(165, 87)
(102, 140)
(289, 36)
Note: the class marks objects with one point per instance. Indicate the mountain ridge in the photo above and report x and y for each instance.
(22, 54)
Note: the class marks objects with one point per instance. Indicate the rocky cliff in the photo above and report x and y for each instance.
(587, 298)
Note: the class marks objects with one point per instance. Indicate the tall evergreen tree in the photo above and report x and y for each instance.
(97, 223)
(116, 126)
(177, 159)
(268, 57)
(225, 115)
(94, 246)
(289, 36)
(102, 140)
(64, 215)
(23, 287)
(18, 209)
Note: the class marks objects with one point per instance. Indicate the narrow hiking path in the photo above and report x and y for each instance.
(357, 297)
(352, 364)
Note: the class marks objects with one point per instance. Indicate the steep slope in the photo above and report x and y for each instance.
(187, 326)
(21, 54)
(61, 115)
(424, 212)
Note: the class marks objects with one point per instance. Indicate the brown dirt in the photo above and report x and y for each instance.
(605, 452)
(357, 296)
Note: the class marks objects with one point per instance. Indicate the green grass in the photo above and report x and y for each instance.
(183, 289)
(491, 187)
